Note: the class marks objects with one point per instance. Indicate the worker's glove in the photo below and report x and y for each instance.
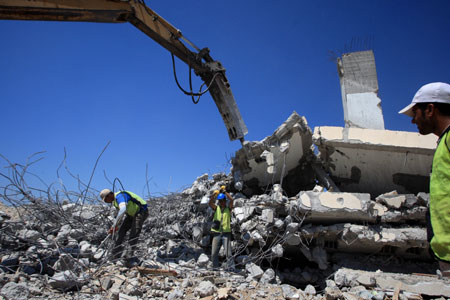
(113, 229)
(223, 189)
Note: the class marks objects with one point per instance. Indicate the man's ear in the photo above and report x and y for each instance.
(430, 110)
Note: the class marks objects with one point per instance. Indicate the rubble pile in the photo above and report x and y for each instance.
(313, 245)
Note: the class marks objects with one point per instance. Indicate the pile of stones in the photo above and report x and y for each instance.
(314, 245)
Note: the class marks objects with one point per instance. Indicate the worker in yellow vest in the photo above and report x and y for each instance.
(133, 210)
(430, 111)
(221, 229)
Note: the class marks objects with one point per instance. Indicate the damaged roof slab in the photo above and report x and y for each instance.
(376, 161)
(324, 207)
(411, 283)
(263, 163)
(407, 242)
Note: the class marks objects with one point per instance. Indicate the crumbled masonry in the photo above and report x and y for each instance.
(340, 244)
(299, 230)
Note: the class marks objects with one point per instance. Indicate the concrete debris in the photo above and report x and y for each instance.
(15, 291)
(205, 288)
(263, 163)
(355, 160)
(287, 243)
(254, 271)
(410, 283)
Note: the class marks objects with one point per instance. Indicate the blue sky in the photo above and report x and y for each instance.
(76, 86)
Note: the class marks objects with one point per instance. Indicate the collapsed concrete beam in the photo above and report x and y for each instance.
(277, 158)
(376, 161)
(374, 239)
(329, 207)
(422, 285)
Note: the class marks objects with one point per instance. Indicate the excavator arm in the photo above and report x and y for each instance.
(153, 25)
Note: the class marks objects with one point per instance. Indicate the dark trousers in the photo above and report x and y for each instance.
(218, 240)
(134, 226)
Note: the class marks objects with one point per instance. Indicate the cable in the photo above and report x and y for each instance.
(191, 93)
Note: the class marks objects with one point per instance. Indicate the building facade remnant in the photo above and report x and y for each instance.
(359, 89)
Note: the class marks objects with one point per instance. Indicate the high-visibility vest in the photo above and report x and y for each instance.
(134, 203)
(440, 199)
(224, 218)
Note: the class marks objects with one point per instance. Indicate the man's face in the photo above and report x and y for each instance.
(422, 119)
(109, 198)
(222, 202)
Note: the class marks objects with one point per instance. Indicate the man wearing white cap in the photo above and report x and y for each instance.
(430, 111)
(133, 210)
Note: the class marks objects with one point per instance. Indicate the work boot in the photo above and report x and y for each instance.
(444, 267)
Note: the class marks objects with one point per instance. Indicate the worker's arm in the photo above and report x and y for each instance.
(212, 198)
(122, 202)
(231, 200)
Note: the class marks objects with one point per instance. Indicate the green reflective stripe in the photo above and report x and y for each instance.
(133, 207)
(226, 219)
(440, 200)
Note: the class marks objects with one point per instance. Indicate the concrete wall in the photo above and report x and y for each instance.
(376, 161)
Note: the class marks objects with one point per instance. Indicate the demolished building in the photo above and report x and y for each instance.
(348, 159)
(373, 183)
(337, 209)
(360, 157)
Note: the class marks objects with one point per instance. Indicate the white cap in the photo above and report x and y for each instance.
(104, 193)
(436, 92)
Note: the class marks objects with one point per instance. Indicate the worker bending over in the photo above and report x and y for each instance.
(134, 210)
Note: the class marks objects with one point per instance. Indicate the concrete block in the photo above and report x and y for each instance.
(351, 238)
(277, 250)
(293, 239)
(126, 297)
(268, 276)
(290, 292)
(17, 291)
(106, 283)
(205, 288)
(255, 272)
(243, 213)
(337, 207)
(203, 260)
(267, 216)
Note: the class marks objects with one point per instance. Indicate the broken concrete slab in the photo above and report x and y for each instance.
(376, 239)
(17, 291)
(376, 161)
(424, 285)
(326, 207)
(264, 163)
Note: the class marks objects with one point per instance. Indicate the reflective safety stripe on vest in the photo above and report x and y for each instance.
(133, 205)
(440, 199)
(225, 216)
